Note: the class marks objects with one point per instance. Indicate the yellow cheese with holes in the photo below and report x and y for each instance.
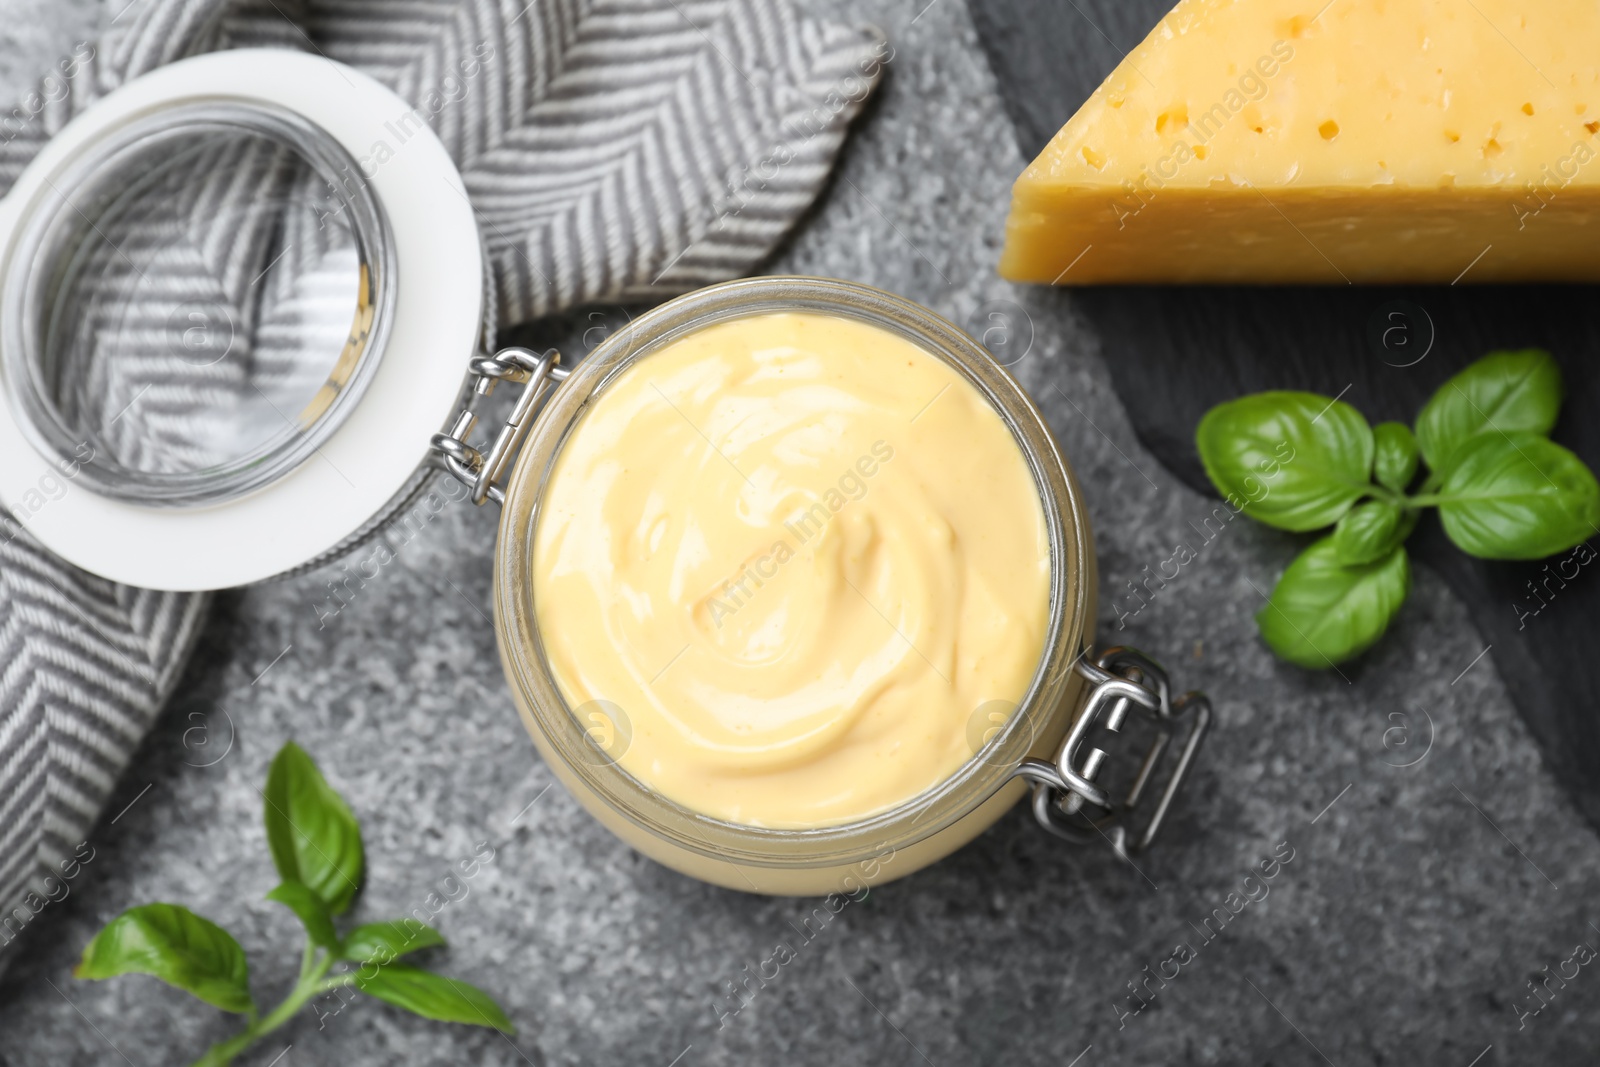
(1329, 142)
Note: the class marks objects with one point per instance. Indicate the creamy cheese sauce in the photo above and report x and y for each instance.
(791, 570)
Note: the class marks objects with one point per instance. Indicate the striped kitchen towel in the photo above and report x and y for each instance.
(614, 151)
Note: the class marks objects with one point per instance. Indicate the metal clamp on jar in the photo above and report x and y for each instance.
(240, 341)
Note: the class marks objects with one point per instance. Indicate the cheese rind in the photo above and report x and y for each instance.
(1258, 141)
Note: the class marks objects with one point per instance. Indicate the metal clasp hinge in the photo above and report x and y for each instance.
(1066, 799)
(484, 473)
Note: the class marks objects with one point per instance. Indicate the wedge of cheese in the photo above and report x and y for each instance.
(1329, 141)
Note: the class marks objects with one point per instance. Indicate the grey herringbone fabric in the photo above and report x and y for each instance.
(613, 151)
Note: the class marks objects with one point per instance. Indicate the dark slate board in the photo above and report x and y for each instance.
(1174, 352)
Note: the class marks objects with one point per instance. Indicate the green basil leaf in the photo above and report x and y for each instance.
(1504, 392)
(177, 946)
(1296, 461)
(314, 839)
(382, 942)
(1371, 531)
(1322, 612)
(1520, 496)
(433, 996)
(312, 910)
(1394, 461)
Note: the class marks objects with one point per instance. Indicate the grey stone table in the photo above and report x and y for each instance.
(1419, 902)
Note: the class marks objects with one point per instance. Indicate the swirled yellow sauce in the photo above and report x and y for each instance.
(787, 567)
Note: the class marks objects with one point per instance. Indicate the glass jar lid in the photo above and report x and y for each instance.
(198, 301)
(229, 322)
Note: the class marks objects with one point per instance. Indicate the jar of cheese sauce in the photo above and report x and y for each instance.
(794, 592)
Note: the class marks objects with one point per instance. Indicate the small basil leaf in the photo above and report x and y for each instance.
(1296, 461)
(311, 909)
(382, 942)
(1504, 392)
(433, 996)
(1371, 531)
(1322, 612)
(314, 839)
(177, 946)
(1520, 496)
(1394, 461)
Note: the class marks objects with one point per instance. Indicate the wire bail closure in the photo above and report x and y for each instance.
(481, 473)
(1121, 679)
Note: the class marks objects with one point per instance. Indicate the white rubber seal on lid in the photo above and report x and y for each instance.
(415, 387)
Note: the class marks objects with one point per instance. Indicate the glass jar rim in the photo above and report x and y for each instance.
(1071, 593)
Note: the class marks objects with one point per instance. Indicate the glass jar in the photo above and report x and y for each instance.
(303, 352)
(918, 831)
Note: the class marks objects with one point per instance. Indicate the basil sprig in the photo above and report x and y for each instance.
(1302, 462)
(316, 847)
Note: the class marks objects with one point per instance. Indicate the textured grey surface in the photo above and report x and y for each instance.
(1414, 911)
